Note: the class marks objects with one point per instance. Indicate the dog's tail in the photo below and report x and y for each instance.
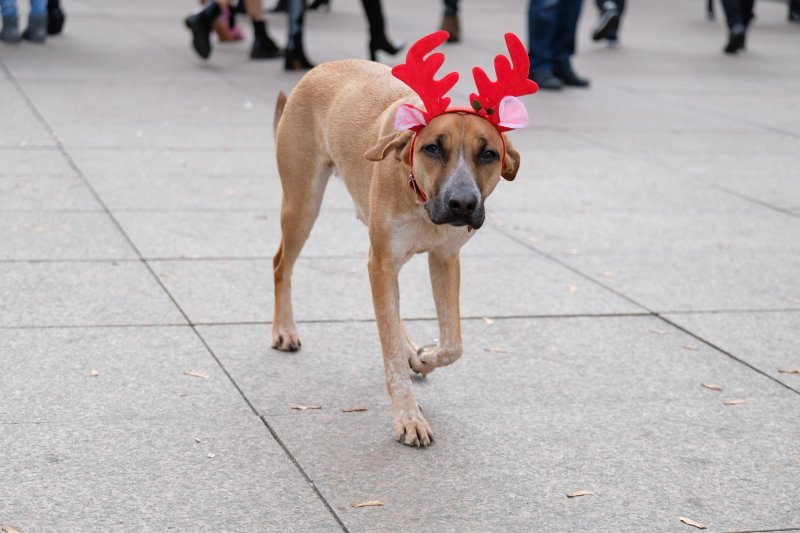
(279, 105)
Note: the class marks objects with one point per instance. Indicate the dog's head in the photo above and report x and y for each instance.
(458, 160)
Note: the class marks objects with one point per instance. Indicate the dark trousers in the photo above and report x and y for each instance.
(619, 4)
(738, 12)
(551, 33)
(450, 8)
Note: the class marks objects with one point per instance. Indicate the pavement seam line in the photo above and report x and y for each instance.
(113, 219)
(655, 314)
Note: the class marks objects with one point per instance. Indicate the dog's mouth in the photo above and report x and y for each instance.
(441, 216)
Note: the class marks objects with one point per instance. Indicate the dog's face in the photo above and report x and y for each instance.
(457, 162)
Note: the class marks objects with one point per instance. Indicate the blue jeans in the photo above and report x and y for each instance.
(551, 33)
(9, 7)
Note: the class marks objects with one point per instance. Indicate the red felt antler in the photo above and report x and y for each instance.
(418, 73)
(512, 80)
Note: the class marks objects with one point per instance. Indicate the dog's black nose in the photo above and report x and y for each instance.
(462, 203)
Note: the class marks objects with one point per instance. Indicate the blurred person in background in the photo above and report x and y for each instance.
(450, 22)
(607, 26)
(551, 43)
(794, 11)
(36, 31)
(738, 14)
(378, 41)
(202, 22)
(55, 17)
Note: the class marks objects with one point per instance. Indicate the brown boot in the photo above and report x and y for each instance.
(451, 26)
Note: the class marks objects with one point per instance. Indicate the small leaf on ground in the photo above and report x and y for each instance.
(573, 288)
(691, 522)
(94, 373)
(789, 371)
(579, 493)
(8, 529)
(371, 503)
(306, 407)
(691, 348)
(196, 374)
(734, 402)
(659, 332)
(488, 320)
(495, 349)
(711, 386)
(608, 274)
(354, 410)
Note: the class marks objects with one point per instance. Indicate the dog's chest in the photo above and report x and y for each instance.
(415, 234)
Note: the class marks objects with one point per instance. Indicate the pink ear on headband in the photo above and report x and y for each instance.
(513, 114)
(408, 117)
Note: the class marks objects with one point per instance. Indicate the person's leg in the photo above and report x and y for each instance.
(377, 30)
(10, 31)
(200, 24)
(37, 22)
(564, 43)
(541, 31)
(295, 55)
(450, 22)
(794, 11)
(736, 25)
(55, 17)
(747, 12)
(608, 21)
(263, 46)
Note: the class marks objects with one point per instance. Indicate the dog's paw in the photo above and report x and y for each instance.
(420, 360)
(286, 340)
(413, 430)
(432, 356)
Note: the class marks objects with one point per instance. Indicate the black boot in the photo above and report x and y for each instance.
(569, 77)
(263, 46)
(200, 24)
(295, 55)
(545, 79)
(55, 17)
(377, 30)
(735, 40)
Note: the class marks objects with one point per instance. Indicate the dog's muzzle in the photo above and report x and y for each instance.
(459, 205)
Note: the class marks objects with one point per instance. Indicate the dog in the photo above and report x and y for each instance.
(421, 189)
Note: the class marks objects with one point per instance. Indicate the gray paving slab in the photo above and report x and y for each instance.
(140, 375)
(140, 445)
(768, 341)
(134, 115)
(151, 474)
(678, 261)
(82, 294)
(611, 405)
(49, 193)
(61, 236)
(34, 162)
(21, 126)
(241, 290)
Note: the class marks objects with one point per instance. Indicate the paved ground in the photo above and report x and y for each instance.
(650, 244)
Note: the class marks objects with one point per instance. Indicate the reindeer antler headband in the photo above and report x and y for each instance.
(495, 101)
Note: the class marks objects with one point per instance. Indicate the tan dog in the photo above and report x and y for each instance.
(339, 120)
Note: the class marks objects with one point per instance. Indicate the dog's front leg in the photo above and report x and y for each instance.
(410, 427)
(446, 281)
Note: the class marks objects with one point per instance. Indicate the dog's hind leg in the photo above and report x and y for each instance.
(304, 183)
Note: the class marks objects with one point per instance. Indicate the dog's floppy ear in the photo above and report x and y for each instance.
(394, 141)
(511, 162)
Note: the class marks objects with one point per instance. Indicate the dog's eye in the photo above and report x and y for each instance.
(488, 155)
(433, 149)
